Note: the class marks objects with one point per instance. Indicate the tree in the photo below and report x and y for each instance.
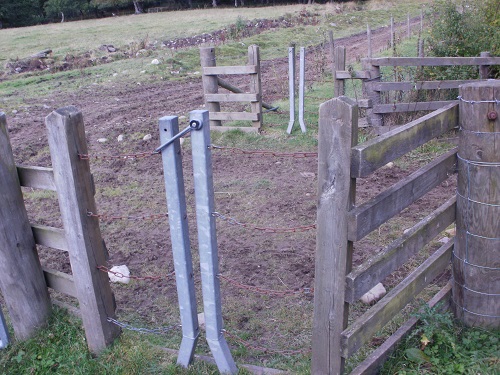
(20, 13)
(69, 8)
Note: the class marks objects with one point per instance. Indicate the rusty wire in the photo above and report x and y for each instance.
(268, 292)
(105, 217)
(232, 221)
(141, 278)
(248, 345)
(237, 150)
(138, 155)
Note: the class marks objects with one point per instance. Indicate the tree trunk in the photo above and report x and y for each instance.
(62, 17)
(214, 3)
(138, 7)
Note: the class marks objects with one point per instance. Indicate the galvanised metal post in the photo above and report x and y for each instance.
(291, 86)
(4, 332)
(302, 84)
(207, 240)
(179, 233)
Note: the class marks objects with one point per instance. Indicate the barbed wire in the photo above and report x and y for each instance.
(258, 348)
(233, 221)
(105, 217)
(138, 155)
(155, 331)
(268, 292)
(237, 150)
(140, 278)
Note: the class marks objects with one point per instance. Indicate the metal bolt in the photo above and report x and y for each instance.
(493, 115)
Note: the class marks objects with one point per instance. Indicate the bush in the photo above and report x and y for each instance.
(465, 28)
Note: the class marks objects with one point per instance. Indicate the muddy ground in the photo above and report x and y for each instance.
(261, 191)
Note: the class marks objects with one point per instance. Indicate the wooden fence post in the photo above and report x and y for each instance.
(337, 134)
(484, 70)
(21, 276)
(210, 84)
(339, 63)
(255, 84)
(66, 134)
(374, 119)
(476, 261)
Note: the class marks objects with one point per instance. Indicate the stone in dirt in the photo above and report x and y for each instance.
(119, 274)
(374, 294)
(147, 137)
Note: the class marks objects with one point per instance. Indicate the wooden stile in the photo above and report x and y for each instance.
(21, 276)
(60, 282)
(50, 237)
(66, 136)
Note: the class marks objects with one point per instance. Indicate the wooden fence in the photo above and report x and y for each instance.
(70, 177)
(374, 87)
(341, 223)
(213, 98)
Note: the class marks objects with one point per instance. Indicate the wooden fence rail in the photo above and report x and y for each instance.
(340, 223)
(374, 87)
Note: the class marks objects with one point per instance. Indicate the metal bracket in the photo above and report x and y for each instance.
(193, 125)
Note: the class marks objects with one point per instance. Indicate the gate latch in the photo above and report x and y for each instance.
(193, 125)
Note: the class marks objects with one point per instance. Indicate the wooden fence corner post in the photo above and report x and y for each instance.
(66, 134)
(337, 133)
(21, 276)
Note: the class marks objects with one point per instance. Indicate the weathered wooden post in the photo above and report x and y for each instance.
(339, 62)
(374, 119)
(476, 260)
(21, 276)
(338, 125)
(484, 70)
(255, 84)
(66, 134)
(210, 84)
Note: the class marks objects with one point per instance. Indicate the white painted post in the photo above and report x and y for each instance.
(302, 84)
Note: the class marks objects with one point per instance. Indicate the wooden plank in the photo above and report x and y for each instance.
(255, 84)
(244, 129)
(50, 237)
(210, 83)
(66, 135)
(433, 61)
(412, 107)
(357, 74)
(376, 268)
(420, 85)
(339, 62)
(338, 122)
(234, 116)
(231, 97)
(227, 70)
(379, 315)
(370, 215)
(36, 177)
(59, 281)
(375, 153)
(21, 281)
(375, 359)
